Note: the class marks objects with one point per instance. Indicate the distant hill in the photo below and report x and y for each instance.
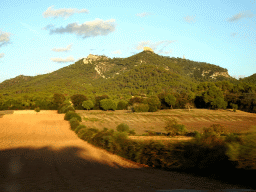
(250, 79)
(145, 72)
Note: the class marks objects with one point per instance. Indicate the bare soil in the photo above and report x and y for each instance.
(38, 151)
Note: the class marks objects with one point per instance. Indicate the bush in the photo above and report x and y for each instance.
(122, 127)
(140, 107)
(108, 104)
(218, 129)
(132, 132)
(134, 100)
(122, 105)
(62, 107)
(71, 114)
(88, 134)
(233, 138)
(79, 128)
(69, 108)
(88, 104)
(234, 106)
(37, 109)
(173, 128)
(74, 123)
(197, 135)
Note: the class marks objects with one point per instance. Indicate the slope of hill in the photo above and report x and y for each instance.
(144, 72)
(250, 79)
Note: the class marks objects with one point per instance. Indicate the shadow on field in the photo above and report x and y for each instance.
(28, 169)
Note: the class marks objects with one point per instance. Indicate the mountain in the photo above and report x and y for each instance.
(250, 79)
(142, 73)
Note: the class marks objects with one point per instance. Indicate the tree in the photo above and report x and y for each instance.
(77, 101)
(122, 105)
(97, 101)
(108, 104)
(88, 104)
(58, 99)
(153, 103)
(214, 98)
(170, 100)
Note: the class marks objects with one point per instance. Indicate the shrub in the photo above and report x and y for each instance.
(37, 109)
(108, 104)
(233, 138)
(71, 114)
(122, 127)
(219, 129)
(69, 108)
(234, 106)
(79, 128)
(122, 105)
(62, 107)
(74, 123)
(132, 132)
(87, 104)
(173, 128)
(140, 107)
(89, 133)
(197, 135)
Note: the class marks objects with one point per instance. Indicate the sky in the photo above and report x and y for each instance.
(39, 37)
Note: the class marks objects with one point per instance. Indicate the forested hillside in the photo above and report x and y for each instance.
(145, 74)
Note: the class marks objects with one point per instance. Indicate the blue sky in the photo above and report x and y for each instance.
(39, 37)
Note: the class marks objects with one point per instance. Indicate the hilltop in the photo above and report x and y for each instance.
(143, 73)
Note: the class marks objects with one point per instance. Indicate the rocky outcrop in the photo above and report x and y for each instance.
(92, 57)
(214, 75)
(147, 49)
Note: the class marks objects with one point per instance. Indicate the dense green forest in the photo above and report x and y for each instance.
(147, 75)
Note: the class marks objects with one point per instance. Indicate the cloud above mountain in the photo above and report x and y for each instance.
(241, 15)
(65, 12)
(68, 48)
(61, 60)
(4, 38)
(98, 27)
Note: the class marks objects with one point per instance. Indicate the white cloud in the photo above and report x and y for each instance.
(1, 55)
(143, 14)
(117, 52)
(160, 44)
(190, 19)
(50, 12)
(62, 49)
(60, 60)
(87, 29)
(4, 38)
(240, 16)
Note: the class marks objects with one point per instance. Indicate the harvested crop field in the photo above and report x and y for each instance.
(39, 152)
(194, 120)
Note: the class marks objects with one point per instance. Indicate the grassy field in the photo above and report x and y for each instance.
(195, 120)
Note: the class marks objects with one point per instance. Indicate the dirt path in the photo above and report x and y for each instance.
(40, 152)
